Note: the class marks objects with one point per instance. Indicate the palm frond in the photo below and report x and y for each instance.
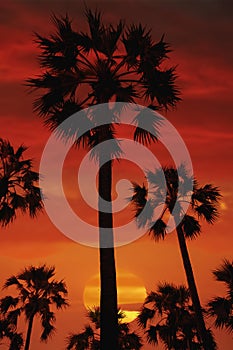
(59, 301)
(59, 51)
(158, 229)
(225, 273)
(110, 37)
(157, 179)
(139, 198)
(207, 193)
(144, 316)
(94, 316)
(96, 28)
(191, 227)
(207, 211)
(8, 302)
(160, 85)
(152, 335)
(144, 215)
(16, 341)
(220, 308)
(126, 94)
(147, 126)
(7, 214)
(12, 281)
(137, 39)
(13, 315)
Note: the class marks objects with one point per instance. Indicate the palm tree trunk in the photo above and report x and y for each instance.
(29, 332)
(201, 328)
(108, 297)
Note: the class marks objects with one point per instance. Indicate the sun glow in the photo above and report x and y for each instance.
(131, 294)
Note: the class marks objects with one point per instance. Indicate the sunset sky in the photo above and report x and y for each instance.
(200, 33)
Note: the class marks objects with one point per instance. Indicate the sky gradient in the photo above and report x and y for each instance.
(200, 33)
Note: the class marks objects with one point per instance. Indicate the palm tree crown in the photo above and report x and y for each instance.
(221, 308)
(37, 291)
(168, 189)
(18, 184)
(110, 63)
(167, 315)
(89, 338)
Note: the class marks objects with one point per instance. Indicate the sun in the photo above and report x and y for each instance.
(131, 294)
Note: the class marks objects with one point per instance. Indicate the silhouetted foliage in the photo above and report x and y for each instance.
(36, 290)
(173, 189)
(18, 184)
(8, 332)
(167, 316)
(89, 338)
(221, 308)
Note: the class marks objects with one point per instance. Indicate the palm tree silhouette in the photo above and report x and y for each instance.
(167, 315)
(36, 292)
(110, 63)
(203, 204)
(18, 190)
(8, 330)
(221, 308)
(90, 337)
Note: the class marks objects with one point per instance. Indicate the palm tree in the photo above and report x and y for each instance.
(79, 70)
(203, 204)
(167, 315)
(36, 292)
(221, 308)
(18, 190)
(90, 337)
(8, 330)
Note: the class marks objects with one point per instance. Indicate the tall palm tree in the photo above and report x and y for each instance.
(79, 70)
(167, 315)
(203, 204)
(18, 190)
(89, 338)
(221, 308)
(8, 330)
(37, 290)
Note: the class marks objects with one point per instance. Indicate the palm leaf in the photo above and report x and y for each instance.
(207, 211)
(225, 273)
(158, 229)
(147, 126)
(152, 336)
(139, 198)
(8, 302)
(220, 308)
(160, 85)
(207, 193)
(145, 315)
(136, 40)
(191, 227)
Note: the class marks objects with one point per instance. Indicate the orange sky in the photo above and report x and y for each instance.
(200, 34)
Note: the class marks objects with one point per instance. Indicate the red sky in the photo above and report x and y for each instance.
(200, 33)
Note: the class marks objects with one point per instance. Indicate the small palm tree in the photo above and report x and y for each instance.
(80, 70)
(167, 315)
(18, 189)
(8, 330)
(177, 189)
(37, 291)
(221, 308)
(90, 337)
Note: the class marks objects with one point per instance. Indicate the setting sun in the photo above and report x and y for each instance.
(131, 294)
